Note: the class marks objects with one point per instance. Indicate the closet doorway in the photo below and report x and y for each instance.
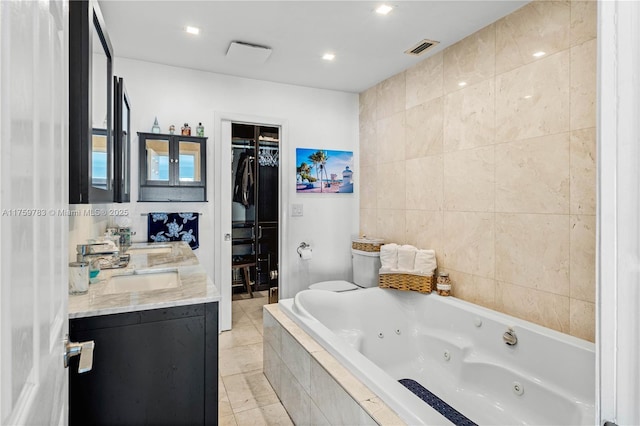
(254, 209)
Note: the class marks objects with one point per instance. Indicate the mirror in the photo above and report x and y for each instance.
(189, 162)
(91, 135)
(157, 160)
(122, 132)
(100, 111)
(99, 158)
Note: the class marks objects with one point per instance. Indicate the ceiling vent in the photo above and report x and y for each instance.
(421, 47)
(247, 53)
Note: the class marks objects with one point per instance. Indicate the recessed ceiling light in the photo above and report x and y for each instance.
(528, 97)
(192, 30)
(384, 9)
(539, 54)
(462, 83)
(328, 56)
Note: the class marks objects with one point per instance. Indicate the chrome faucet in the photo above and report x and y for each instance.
(107, 255)
(85, 251)
(510, 337)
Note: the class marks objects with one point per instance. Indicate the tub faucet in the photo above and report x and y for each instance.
(510, 337)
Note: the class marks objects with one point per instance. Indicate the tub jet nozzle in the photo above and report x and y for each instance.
(510, 337)
(518, 389)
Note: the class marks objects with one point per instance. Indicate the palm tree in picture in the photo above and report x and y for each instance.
(319, 160)
(315, 160)
(305, 172)
(323, 168)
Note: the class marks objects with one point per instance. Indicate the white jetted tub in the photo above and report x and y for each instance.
(457, 352)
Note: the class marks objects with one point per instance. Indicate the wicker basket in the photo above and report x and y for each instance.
(366, 245)
(419, 283)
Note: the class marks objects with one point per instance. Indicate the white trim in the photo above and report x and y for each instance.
(219, 227)
(618, 216)
(22, 410)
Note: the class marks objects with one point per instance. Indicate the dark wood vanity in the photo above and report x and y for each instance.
(155, 356)
(150, 367)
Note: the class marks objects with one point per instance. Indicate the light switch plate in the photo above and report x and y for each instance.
(297, 210)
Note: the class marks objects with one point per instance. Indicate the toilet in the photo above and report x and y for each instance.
(366, 265)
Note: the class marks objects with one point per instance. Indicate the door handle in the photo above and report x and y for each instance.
(84, 349)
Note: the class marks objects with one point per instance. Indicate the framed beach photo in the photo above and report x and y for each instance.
(323, 171)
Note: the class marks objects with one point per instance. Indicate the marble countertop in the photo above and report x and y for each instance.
(195, 286)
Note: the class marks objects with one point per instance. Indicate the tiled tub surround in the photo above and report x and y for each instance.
(195, 286)
(487, 154)
(313, 386)
(449, 346)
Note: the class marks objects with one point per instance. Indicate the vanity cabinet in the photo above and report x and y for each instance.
(172, 167)
(149, 367)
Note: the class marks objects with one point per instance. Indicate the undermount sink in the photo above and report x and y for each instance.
(150, 249)
(142, 281)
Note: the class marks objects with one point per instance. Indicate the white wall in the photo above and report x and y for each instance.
(315, 119)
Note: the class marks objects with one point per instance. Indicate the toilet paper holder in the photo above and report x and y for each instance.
(302, 246)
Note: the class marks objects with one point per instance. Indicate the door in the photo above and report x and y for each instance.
(223, 153)
(33, 201)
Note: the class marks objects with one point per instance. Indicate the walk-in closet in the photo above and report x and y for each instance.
(254, 215)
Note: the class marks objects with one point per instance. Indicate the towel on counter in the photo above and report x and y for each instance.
(173, 227)
(389, 256)
(425, 261)
(406, 257)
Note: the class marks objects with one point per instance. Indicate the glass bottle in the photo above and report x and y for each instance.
(200, 130)
(186, 130)
(156, 126)
(443, 284)
(78, 277)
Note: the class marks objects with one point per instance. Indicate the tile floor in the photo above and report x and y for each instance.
(245, 396)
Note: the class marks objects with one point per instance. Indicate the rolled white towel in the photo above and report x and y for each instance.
(425, 261)
(406, 257)
(389, 256)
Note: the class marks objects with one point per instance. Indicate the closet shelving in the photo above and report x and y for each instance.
(255, 151)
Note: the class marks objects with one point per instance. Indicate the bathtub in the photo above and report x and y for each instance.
(455, 350)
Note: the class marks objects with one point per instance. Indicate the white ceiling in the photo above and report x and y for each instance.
(368, 47)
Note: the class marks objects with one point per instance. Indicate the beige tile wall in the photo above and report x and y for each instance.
(497, 174)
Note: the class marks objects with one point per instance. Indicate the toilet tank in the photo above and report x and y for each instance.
(366, 266)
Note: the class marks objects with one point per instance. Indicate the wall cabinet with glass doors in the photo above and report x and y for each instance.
(172, 167)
